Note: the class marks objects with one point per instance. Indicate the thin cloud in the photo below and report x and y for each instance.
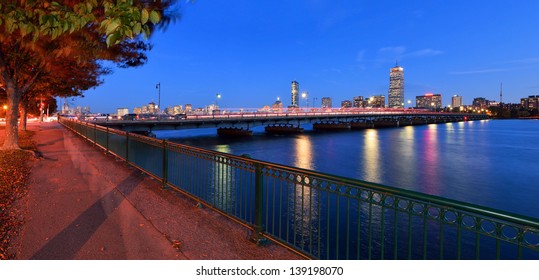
(360, 55)
(424, 52)
(529, 60)
(398, 50)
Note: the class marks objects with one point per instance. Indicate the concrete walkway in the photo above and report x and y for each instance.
(84, 204)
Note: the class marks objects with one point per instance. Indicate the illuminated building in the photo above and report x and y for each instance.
(122, 111)
(429, 101)
(456, 101)
(358, 102)
(277, 106)
(532, 102)
(295, 94)
(396, 88)
(346, 104)
(326, 102)
(480, 103)
(377, 101)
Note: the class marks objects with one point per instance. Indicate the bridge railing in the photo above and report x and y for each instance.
(320, 215)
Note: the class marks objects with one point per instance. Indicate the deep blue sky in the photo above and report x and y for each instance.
(250, 51)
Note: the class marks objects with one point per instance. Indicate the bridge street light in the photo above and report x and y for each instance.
(158, 87)
(304, 95)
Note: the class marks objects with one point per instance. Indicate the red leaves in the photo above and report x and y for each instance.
(14, 171)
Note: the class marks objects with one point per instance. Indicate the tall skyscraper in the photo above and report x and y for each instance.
(295, 94)
(395, 98)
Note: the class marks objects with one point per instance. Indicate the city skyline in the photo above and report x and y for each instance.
(250, 52)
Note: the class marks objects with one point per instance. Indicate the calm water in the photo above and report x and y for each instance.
(492, 163)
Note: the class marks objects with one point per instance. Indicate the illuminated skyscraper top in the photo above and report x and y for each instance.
(396, 87)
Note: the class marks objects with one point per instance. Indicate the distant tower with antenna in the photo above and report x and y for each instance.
(501, 94)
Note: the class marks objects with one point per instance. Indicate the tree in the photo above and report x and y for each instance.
(37, 38)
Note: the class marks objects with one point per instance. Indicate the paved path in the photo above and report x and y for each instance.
(84, 204)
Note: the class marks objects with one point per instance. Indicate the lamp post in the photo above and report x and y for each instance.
(158, 87)
(304, 96)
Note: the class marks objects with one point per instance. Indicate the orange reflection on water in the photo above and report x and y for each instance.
(305, 198)
(371, 156)
(304, 153)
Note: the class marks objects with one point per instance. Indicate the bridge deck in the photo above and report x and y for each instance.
(258, 119)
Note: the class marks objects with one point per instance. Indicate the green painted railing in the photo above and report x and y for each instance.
(320, 215)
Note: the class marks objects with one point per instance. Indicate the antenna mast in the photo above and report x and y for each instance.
(500, 93)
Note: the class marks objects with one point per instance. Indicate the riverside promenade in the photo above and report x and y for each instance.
(85, 204)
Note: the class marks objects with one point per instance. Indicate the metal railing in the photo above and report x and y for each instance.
(320, 215)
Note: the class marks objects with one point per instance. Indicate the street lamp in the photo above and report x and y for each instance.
(304, 96)
(158, 87)
(5, 110)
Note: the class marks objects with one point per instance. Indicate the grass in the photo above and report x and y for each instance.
(15, 167)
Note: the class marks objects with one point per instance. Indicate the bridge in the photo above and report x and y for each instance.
(363, 118)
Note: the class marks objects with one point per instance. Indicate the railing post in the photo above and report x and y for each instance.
(165, 164)
(127, 147)
(258, 234)
(107, 145)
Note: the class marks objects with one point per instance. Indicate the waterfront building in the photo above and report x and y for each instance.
(277, 106)
(326, 102)
(152, 108)
(137, 110)
(480, 103)
(122, 111)
(377, 101)
(188, 108)
(144, 109)
(295, 94)
(456, 101)
(357, 102)
(346, 104)
(396, 87)
(178, 109)
(429, 101)
(531, 102)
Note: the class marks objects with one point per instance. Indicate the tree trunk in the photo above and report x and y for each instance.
(12, 118)
(24, 115)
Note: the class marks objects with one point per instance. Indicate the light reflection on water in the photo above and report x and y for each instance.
(490, 163)
(371, 156)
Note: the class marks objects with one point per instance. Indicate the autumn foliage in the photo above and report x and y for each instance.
(14, 170)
